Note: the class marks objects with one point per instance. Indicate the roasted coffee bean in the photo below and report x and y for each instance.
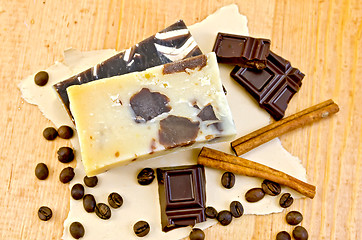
(76, 229)
(115, 200)
(50, 133)
(210, 212)
(90, 181)
(77, 191)
(65, 154)
(254, 195)
(66, 175)
(300, 233)
(103, 211)
(228, 180)
(294, 218)
(236, 209)
(271, 188)
(41, 171)
(286, 200)
(141, 228)
(41, 78)
(224, 217)
(197, 234)
(65, 132)
(146, 176)
(89, 203)
(45, 213)
(283, 236)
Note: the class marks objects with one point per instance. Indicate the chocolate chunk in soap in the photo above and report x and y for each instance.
(274, 86)
(241, 50)
(181, 66)
(207, 113)
(147, 105)
(177, 131)
(182, 196)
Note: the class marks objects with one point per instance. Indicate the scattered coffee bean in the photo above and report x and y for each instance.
(271, 188)
(65, 132)
(90, 181)
(236, 209)
(300, 233)
(89, 203)
(294, 218)
(77, 191)
(45, 213)
(141, 228)
(224, 217)
(197, 234)
(103, 211)
(76, 229)
(50, 133)
(146, 176)
(210, 212)
(41, 78)
(286, 200)
(41, 171)
(115, 200)
(228, 180)
(66, 175)
(283, 236)
(65, 154)
(254, 195)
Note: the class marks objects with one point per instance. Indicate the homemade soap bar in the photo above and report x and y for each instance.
(137, 115)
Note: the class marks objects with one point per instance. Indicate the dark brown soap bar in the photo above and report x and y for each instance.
(182, 196)
(272, 87)
(171, 44)
(241, 50)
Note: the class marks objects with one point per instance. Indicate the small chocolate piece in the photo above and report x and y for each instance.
(286, 200)
(241, 50)
(181, 66)
(65, 154)
(271, 188)
(224, 217)
(76, 229)
(115, 200)
(41, 78)
(283, 236)
(254, 195)
(90, 181)
(89, 203)
(77, 191)
(197, 234)
(228, 180)
(103, 211)
(210, 212)
(146, 176)
(207, 113)
(141, 228)
(65, 132)
(236, 209)
(66, 175)
(45, 213)
(294, 218)
(50, 133)
(41, 171)
(300, 233)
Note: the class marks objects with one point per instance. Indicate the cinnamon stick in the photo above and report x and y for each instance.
(267, 133)
(220, 160)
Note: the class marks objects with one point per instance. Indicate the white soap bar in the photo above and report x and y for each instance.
(142, 114)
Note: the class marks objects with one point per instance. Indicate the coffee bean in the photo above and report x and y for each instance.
(236, 209)
(90, 181)
(294, 218)
(41, 171)
(89, 203)
(197, 234)
(65, 132)
(45, 213)
(146, 176)
(210, 212)
(41, 78)
(283, 236)
(115, 200)
(66, 175)
(65, 154)
(224, 217)
(141, 228)
(228, 180)
(300, 233)
(77, 191)
(286, 200)
(103, 211)
(271, 188)
(76, 229)
(254, 195)
(50, 133)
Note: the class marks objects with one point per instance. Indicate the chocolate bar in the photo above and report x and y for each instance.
(171, 44)
(272, 87)
(182, 196)
(241, 50)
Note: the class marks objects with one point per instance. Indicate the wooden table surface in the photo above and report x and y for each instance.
(320, 37)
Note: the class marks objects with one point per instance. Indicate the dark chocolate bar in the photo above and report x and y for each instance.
(272, 87)
(182, 196)
(241, 50)
(171, 44)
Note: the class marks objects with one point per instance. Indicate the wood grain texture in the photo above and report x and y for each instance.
(320, 37)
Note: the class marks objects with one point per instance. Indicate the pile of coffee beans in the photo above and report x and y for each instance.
(299, 233)
(225, 217)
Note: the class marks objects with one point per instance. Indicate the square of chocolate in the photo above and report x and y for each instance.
(182, 196)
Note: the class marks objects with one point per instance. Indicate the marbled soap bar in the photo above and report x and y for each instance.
(142, 114)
